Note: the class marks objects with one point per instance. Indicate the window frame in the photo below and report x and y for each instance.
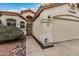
(11, 22)
(22, 24)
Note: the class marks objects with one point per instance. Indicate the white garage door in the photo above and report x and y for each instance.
(65, 30)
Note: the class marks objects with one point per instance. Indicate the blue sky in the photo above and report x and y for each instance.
(19, 6)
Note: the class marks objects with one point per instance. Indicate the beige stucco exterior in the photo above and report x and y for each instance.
(17, 18)
(60, 29)
(27, 13)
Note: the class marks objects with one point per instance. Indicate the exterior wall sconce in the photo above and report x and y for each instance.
(47, 21)
(49, 18)
(72, 8)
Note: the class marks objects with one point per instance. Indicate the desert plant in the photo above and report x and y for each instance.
(8, 33)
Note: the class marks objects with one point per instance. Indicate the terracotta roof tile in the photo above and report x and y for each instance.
(12, 14)
(29, 10)
(9, 13)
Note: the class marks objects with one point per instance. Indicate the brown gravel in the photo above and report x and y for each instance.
(6, 48)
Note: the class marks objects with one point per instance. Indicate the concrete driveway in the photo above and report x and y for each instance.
(66, 48)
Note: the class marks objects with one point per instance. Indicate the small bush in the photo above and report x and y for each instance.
(9, 33)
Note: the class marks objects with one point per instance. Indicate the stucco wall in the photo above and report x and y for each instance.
(61, 29)
(53, 12)
(17, 18)
(63, 9)
(27, 13)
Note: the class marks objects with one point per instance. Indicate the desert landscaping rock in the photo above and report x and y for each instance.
(20, 49)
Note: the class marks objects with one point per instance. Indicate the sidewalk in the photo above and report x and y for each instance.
(66, 48)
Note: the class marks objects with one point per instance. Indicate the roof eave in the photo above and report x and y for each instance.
(43, 8)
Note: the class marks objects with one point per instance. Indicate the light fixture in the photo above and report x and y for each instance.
(49, 18)
(47, 21)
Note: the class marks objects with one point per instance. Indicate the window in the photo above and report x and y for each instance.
(11, 22)
(22, 24)
(0, 22)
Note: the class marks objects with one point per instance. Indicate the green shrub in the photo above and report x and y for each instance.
(9, 33)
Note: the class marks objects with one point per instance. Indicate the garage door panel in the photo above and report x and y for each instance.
(65, 30)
